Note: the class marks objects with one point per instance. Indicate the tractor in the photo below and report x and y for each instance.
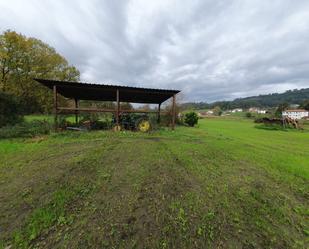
(133, 122)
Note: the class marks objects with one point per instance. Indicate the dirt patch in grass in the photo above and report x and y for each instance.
(151, 209)
(133, 202)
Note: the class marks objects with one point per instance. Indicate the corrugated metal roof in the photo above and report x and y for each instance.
(106, 92)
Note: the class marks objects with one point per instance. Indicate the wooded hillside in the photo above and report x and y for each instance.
(269, 100)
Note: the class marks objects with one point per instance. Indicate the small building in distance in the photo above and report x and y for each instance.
(257, 110)
(261, 111)
(204, 114)
(295, 113)
(237, 110)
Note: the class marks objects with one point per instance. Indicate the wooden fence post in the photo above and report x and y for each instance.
(55, 108)
(117, 108)
(76, 112)
(174, 112)
(159, 114)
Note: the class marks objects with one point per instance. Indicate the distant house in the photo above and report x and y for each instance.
(296, 113)
(205, 113)
(253, 109)
(201, 114)
(237, 110)
(261, 111)
(257, 110)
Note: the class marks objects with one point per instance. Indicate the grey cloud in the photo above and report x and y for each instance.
(211, 50)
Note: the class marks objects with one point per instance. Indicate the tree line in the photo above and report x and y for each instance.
(24, 58)
(300, 97)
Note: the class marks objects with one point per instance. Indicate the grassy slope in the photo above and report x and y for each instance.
(224, 184)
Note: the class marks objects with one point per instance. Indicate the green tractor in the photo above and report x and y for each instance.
(133, 122)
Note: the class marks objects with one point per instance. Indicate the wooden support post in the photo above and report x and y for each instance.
(159, 113)
(76, 112)
(55, 108)
(118, 108)
(173, 112)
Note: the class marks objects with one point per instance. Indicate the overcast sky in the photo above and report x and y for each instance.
(211, 50)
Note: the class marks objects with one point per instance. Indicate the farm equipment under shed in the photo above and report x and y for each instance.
(133, 121)
(112, 93)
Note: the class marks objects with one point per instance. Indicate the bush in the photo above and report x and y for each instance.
(10, 110)
(26, 129)
(191, 118)
(249, 115)
(217, 111)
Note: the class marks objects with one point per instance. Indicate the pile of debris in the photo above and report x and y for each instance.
(284, 122)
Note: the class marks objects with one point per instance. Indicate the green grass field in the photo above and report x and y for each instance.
(223, 184)
(49, 118)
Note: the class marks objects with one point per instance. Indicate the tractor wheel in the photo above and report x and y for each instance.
(143, 125)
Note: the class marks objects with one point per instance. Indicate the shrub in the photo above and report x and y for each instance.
(191, 118)
(248, 114)
(10, 110)
(217, 111)
(26, 129)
